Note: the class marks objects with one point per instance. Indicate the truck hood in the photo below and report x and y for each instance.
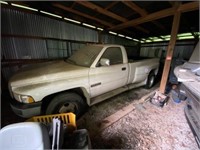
(47, 72)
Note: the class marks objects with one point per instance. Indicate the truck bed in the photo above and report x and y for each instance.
(139, 69)
(136, 59)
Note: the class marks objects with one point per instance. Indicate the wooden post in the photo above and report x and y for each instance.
(170, 50)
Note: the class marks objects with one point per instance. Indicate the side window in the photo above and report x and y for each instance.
(114, 54)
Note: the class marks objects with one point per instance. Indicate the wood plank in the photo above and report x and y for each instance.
(148, 18)
(111, 5)
(101, 10)
(136, 8)
(82, 14)
(170, 50)
(107, 13)
(124, 111)
(116, 116)
(143, 13)
(158, 15)
(189, 7)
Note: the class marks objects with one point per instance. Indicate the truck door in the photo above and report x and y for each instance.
(107, 78)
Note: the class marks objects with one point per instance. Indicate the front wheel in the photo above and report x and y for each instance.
(66, 102)
(150, 80)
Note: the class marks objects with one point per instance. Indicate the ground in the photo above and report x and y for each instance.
(145, 127)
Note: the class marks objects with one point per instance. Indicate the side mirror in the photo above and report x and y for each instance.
(104, 62)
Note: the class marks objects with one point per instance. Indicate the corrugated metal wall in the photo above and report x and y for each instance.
(107, 38)
(183, 49)
(21, 23)
(16, 22)
(182, 52)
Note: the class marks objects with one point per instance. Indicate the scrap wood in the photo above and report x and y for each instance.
(116, 116)
(146, 97)
(124, 111)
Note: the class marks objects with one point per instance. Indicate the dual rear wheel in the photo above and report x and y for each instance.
(150, 80)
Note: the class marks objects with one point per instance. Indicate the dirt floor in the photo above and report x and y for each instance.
(145, 127)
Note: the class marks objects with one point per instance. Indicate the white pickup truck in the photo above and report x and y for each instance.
(93, 74)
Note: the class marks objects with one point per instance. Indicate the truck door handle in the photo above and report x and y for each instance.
(124, 68)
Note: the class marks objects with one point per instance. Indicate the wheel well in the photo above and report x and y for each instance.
(154, 71)
(46, 100)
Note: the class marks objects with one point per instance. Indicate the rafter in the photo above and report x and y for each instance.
(111, 5)
(136, 8)
(157, 15)
(107, 13)
(142, 12)
(81, 14)
(74, 3)
(101, 10)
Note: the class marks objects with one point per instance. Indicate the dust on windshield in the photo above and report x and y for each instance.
(85, 56)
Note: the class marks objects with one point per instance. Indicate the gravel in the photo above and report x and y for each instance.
(146, 127)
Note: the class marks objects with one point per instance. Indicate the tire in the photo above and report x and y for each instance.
(150, 80)
(66, 102)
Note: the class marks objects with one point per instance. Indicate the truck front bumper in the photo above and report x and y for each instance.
(25, 110)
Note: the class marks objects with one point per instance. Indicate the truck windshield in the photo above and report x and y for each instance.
(85, 56)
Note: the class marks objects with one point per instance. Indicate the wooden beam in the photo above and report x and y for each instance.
(101, 10)
(170, 50)
(81, 14)
(107, 13)
(189, 7)
(136, 8)
(158, 15)
(142, 13)
(150, 17)
(74, 3)
(111, 5)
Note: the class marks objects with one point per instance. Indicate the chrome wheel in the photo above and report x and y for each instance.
(151, 82)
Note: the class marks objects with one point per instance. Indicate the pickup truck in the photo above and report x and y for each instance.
(92, 74)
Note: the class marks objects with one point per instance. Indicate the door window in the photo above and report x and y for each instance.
(114, 54)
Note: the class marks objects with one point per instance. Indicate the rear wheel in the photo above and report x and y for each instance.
(66, 102)
(150, 80)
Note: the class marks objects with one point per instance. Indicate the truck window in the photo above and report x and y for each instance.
(85, 56)
(114, 54)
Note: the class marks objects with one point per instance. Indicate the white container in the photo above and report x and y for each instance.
(24, 136)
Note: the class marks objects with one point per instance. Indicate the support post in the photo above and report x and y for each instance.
(170, 50)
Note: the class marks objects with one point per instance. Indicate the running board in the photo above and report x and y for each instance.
(115, 92)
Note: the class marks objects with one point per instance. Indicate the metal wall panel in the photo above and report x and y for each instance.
(21, 23)
(111, 39)
(183, 49)
(20, 48)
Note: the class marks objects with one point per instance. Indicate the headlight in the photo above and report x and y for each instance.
(23, 98)
(26, 99)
